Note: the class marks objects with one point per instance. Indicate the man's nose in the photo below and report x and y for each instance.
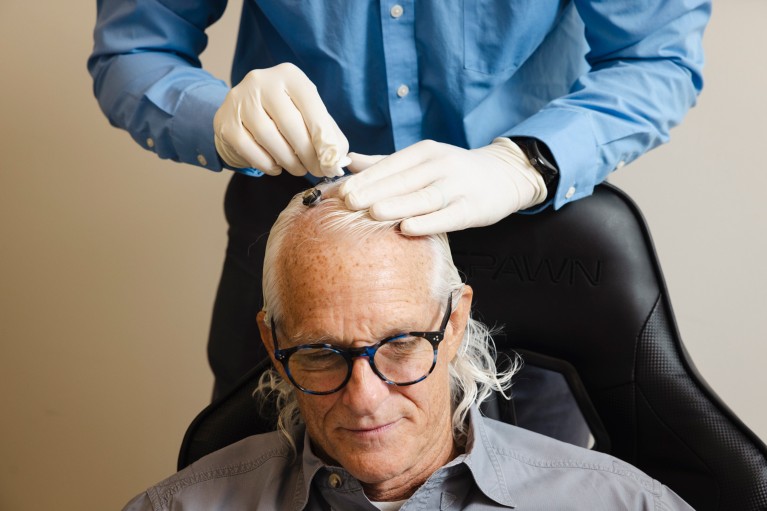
(365, 391)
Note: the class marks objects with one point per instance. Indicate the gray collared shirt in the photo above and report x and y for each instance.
(505, 467)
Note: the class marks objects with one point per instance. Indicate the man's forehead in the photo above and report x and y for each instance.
(348, 257)
(382, 270)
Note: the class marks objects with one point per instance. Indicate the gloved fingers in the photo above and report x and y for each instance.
(282, 115)
(454, 217)
(233, 143)
(426, 200)
(330, 144)
(397, 174)
(345, 160)
(265, 132)
(335, 157)
(392, 164)
(238, 149)
(229, 155)
(391, 185)
(291, 124)
(359, 162)
(332, 159)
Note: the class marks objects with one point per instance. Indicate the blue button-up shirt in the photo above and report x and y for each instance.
(600, 82)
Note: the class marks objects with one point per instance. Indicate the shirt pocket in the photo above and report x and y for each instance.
(499, 35)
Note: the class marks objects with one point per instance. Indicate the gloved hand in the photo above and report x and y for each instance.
(274, 119)
(438, 187)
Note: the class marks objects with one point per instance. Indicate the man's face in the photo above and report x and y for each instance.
(354, 294)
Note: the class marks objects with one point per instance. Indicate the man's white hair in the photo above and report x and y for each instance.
(473, 372)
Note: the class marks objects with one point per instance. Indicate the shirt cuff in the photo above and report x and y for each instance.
(570, 137)
(192, 128)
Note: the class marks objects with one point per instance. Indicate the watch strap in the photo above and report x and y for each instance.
(542, 160)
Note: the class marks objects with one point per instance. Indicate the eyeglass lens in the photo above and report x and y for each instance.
(403, 360)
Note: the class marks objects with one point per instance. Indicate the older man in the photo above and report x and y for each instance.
(378, 371)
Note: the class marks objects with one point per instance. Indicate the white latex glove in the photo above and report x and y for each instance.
(274, 119)
(438, 187)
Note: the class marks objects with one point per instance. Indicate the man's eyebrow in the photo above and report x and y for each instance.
(304, 338)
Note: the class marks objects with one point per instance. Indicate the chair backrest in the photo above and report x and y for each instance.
(583, 285)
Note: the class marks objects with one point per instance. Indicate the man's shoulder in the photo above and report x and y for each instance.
(529, 460)
(536, 450)
(245, 468)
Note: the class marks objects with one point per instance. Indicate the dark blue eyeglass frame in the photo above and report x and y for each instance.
(369, 352)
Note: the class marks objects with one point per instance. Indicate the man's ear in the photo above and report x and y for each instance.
(458, 320)
(266, 336)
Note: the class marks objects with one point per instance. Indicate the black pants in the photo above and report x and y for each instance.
(252, 206)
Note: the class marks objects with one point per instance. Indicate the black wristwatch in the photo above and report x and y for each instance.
(542, 160)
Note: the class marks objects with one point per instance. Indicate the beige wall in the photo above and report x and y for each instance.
(110, 258)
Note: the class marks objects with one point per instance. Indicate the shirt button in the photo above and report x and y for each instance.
(403, 90)
(201, 160)
(570, 192)
(620, 165)
(396, 11)
(335, 480)
(150, 142)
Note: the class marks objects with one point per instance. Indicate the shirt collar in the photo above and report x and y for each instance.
(310, 465)
(482, 461)
(479, 458)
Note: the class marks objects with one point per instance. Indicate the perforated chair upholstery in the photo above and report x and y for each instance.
(583, 285)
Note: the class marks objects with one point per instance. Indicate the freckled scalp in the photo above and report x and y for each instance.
(310, 266)
(302, 230)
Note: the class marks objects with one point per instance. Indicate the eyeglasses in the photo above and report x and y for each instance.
(402, 359)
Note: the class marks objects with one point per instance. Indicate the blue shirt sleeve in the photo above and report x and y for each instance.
(646, 60)
(457, 73)
(148, 79)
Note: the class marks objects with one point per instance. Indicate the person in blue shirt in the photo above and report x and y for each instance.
(453, 114)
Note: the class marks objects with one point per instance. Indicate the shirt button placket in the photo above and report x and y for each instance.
(401, 60)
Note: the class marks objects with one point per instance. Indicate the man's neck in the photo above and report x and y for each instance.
(406, 484)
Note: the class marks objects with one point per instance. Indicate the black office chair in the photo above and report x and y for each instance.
(579, 291)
